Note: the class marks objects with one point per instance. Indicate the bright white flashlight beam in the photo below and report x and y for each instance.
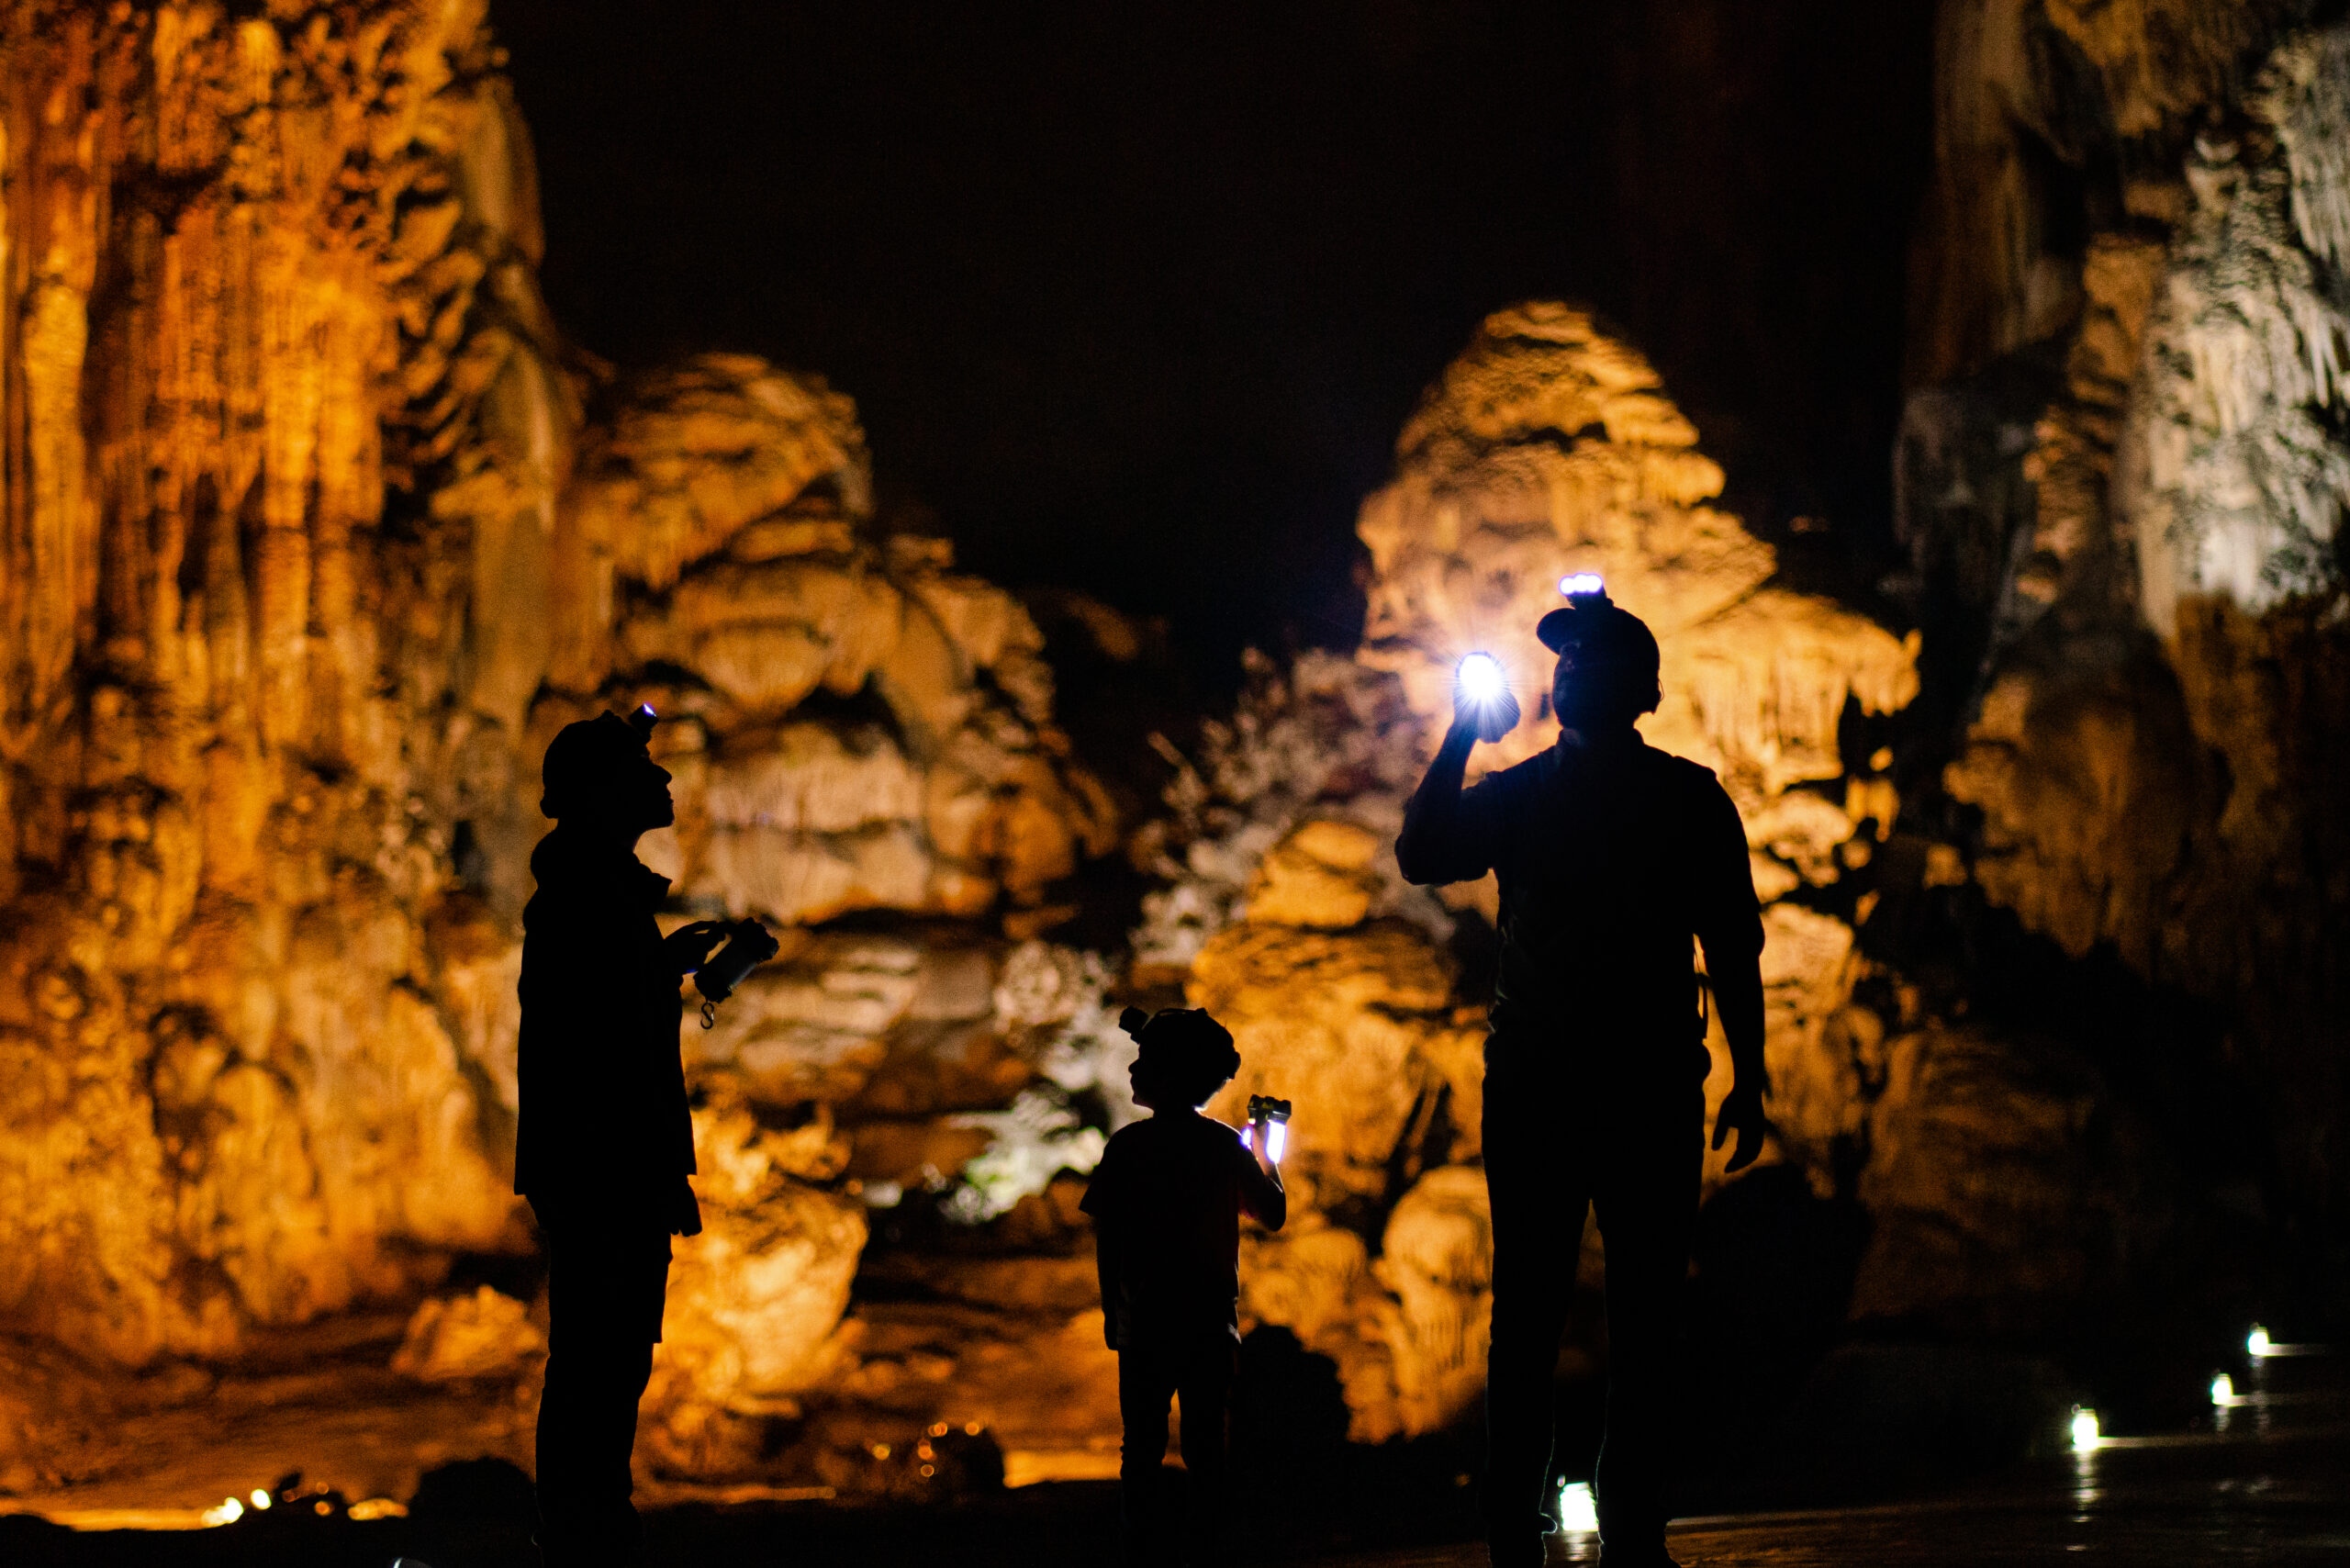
(2086, 1436)
(1276, 1140)
(1481, 678)
(1580, 583)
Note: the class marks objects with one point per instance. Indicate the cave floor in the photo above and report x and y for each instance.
(2265, 1481)
(2283, 1498)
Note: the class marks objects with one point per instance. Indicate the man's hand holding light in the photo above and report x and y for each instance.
(1482, 703)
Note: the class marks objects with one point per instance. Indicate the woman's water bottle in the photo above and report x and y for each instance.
(748, 945)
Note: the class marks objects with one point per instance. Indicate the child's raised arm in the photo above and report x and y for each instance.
(1261, 1193)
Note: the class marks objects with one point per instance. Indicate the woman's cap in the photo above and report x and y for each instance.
(586, 757)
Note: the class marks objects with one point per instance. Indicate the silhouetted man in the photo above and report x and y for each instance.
(1611, 855)
(605, 1144)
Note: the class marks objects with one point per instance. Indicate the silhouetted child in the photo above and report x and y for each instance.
(1166, 1201)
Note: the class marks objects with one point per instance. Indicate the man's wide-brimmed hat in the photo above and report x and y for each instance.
(1594, 624)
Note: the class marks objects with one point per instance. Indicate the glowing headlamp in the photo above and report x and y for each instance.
(1481, 679)
(1582, 585)
(1273, 1116)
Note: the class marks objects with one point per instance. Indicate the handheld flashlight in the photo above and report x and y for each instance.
(1481, 678)
(641, 718)
(1582, 585)
(1274, 1117)
(748, 945)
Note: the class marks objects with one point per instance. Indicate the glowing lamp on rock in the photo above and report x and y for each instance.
(2257, 1343)
(2223, 1391)
(1481, 680)
(1581, 585)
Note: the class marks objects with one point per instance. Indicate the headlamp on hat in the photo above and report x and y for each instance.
(1583, 585)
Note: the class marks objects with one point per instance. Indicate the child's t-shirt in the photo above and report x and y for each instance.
(1166, 1201)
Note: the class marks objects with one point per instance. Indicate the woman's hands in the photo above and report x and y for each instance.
(684, 1210)
(689, 947)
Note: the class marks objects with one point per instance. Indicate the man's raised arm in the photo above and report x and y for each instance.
(1432, 848)
(1442, 841)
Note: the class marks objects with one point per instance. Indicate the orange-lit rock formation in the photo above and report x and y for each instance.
(278, 390)
(854, 726)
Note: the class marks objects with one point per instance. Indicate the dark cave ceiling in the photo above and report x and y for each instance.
(1135, 298)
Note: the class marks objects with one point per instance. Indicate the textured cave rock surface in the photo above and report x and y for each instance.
(278, 388)
(2121, 484)
(315, 533)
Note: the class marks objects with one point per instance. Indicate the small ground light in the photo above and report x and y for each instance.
(1575, 584)
(227, 1513)
(261, 1498)
(2257, 1342)
(1481, 678)
(2223, 1390)
(2086, 1436)
(1578, 1514)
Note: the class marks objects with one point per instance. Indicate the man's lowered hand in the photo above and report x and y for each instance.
(1741, 1111)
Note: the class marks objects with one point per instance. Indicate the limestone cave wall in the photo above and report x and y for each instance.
(268, 298)
(2121, 482)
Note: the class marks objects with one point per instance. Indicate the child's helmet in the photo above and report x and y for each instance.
(1184, 1046)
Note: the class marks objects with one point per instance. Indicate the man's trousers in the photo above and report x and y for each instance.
(1629, 1148)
